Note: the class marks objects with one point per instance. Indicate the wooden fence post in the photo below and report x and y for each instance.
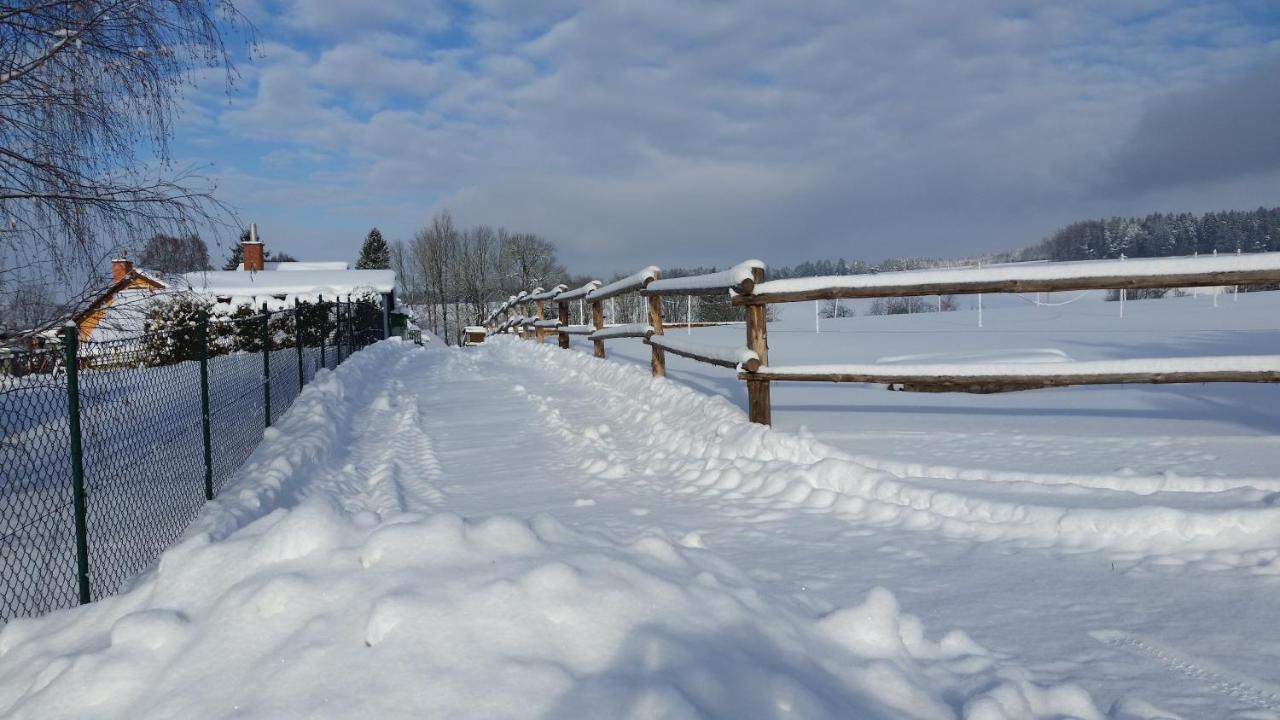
(759, 407)
(597, 319)
(538, 333)
(562, 313)
(658, 359)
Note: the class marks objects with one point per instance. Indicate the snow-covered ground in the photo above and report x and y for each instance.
(1184, 430)
(518, 531)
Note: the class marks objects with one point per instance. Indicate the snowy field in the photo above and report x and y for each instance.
(1183, 430)
(519, 531)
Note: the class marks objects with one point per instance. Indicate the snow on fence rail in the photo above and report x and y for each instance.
(746, 285)
(627, 284)
(1123, 274)
(629, 330)
(739, 278)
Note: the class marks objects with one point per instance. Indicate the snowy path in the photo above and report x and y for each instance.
(1154, 594)
(1038, 606)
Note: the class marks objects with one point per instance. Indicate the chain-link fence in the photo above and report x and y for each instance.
(109, 449)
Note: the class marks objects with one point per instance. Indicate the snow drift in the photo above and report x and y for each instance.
(322, 585)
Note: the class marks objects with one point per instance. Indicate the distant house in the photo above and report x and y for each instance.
(279, 284)
(120, 310)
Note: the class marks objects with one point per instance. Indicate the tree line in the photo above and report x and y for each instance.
(1163, 234)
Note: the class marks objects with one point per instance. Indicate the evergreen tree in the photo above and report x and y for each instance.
(235, 258)
(374, 254)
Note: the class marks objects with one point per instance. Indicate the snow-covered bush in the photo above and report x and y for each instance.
(172, 330)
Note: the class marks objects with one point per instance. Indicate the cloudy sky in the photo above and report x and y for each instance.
(669, 132)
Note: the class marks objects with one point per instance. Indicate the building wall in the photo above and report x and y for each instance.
(89, 319)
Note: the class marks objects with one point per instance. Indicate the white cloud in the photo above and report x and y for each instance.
(717, 130)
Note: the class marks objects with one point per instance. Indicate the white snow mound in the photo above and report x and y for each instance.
(304, 593)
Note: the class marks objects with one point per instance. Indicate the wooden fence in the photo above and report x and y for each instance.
(747, 287)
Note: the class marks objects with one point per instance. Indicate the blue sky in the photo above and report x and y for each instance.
(707, 132)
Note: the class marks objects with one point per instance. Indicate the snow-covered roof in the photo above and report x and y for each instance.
(296, 266)
(298, 284)
(126, 317)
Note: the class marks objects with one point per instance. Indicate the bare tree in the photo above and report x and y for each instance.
(30, 306)
(434, 250)
(478, 251)
(88, 94)
(167, 253)
(530, 262)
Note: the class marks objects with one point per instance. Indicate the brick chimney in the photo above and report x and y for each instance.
(251, 251)
(120, 268)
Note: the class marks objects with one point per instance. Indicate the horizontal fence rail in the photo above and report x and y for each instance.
(108, 449)
(746, 286)
(1123, 274)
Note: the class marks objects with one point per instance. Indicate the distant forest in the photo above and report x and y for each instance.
(1161, 234)
(1155, 235)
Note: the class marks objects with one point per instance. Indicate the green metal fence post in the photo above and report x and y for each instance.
(386, 316)
(202, 330)
(351, 327)
(297, 341)
(324, 328)
(340, 333)
(70, 339)
(266, 365)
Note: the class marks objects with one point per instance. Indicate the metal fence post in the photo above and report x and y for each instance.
(70, 339)
(337, 331)
(202, 331)
(297, 341)
(324, 328)
(266, 365)
(386, 316)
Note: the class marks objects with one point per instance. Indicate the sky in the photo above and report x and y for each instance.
(706, 132)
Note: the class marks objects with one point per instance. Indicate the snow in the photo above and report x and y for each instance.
(1041, 368)
(1143, 267)
(624, 330)
(296, 266)
(579, 293)
(577, 329)
(732, 356)
(328, 581)
(523, 531)
(694, 284)
(987, 357)
(547, 295)
(634, 281)
(304, 285)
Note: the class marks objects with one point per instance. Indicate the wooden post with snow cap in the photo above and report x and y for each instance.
(597, 319)
(658, 358)
(759, 407)
(562, 314)
(537, 331)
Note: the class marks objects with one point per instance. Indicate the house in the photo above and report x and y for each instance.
(120, 311)
(280, 284)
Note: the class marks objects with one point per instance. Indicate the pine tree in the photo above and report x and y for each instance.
(235, 258)
(374, 254)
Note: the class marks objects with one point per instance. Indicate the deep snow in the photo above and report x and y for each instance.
(514, 530)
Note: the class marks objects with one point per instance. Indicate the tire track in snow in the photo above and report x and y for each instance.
(1261, 695)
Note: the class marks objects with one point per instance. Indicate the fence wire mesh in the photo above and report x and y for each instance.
(140, 407)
